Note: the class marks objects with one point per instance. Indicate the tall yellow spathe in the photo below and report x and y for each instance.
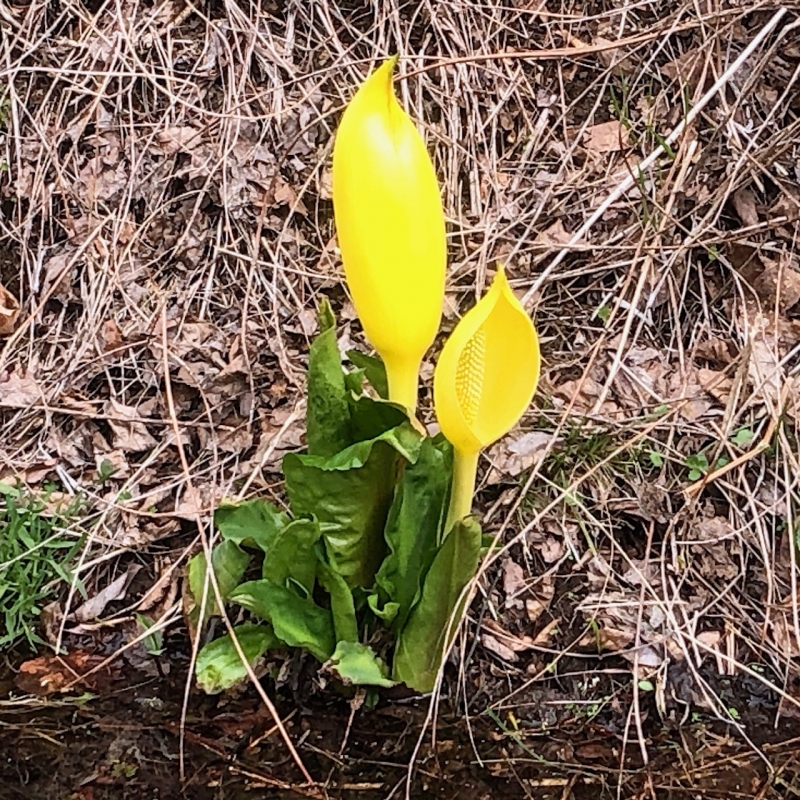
(391, 230)
(485, 379)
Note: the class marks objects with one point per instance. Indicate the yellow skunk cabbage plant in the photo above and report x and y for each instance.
(366, 564)
(390, 229)
(484, 381)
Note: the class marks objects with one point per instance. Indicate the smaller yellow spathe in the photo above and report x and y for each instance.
(391, 230)
(485, 379)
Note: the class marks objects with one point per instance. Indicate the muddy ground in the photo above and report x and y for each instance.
(564, 738)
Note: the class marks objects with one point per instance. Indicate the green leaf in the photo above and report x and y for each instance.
(328, 417)
(697, 462)
(153, 642)
(385, 611)
(429, 632)
(354, 382)
(356, 664)
(374, 370)
(297, 621)
(218, 664)
(743, 437)
(350, 494)
(371, 418)
(253, 523)
(292, 555)
(413, 528)
(229, 563)
(343, 607)
(490, 544)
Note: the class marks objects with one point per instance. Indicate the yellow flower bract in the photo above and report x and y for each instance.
(487, 374)
(485, 379)
(391, 229)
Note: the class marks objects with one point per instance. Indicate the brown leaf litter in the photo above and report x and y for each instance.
(9, 312)
(607, 137)
(73, 671)
(207, 204)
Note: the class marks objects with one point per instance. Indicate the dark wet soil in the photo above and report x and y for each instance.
(124, 741)
(568, 735)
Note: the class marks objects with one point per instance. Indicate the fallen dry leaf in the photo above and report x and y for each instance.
(130, 435)
(778, 285)
(513, 455)
(9, 311)
(517, 644)
(50, 674)
(197, 500)
(716, 349)
(116, 590)
(179, 138)
(513, 578)
(581, 394)
(96, 181)
(544, 636)
(235, 435)
(787, 205)
(618, 622)
(110, 336)
(687, 69)
(713, 529)
(534, 608)
(714, 557)
(607, 137)
(498, 648)
(613, 57)
(764, 367)
(785, 635)
(686, 390)
(716, 383)
(20, 389)
(164, 587)
(551, 549)
(553, 236)
(711, 639)
(744, 203)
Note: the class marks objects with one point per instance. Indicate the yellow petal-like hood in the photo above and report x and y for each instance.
(390, 228)
(488, 370)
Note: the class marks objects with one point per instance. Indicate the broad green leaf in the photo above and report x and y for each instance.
(429, 632)
(343, 607)
(218, 664)
(413, 528)
(297, 621)
(328, 417)
(371, 418)
(356, 664)
(373, 369)
(350, 494)
(354, 382)
(291, 555)
(229, 563)
(252, 523)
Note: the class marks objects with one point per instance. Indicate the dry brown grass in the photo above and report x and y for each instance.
(166, 227)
